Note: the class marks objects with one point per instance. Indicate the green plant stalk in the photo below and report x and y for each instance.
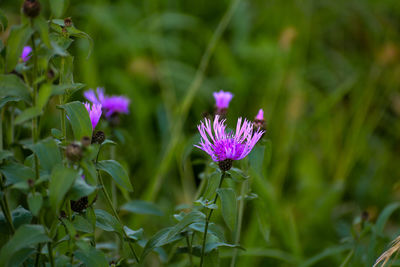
(50, 248)
(61, 97)
(117, 216)
(114, 192)
(35, 136)
(208, 221)
(240, 221)
(37, 259)
(190, 249)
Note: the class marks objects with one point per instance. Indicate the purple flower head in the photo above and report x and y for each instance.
(26, 53)
(260, 115)
(222, 99)
(94, 113)
(221, 145)
(110, 104)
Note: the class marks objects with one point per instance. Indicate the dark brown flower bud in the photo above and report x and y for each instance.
(62, 215)
(74, 152)
(79, 205)
(225, 165)
(364, 216)
(98, 137)
(68, 22)
(50, 74)
(31, 8)
(221, 112)
(31, 183)
(85, 141)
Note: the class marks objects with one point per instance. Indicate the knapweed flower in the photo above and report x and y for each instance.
(94, 113)
(225, 147)
(222, 99)
(110, 104)
(259, 121)
(26, 53)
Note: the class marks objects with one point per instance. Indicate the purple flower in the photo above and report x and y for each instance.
(260, 115)
(221, 145)
(222, 99)
(111, 104)
(94, 113)
(26, 53)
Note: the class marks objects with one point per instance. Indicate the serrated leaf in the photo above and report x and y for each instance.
(35, 202)
(228, 206)
(117, 172)
(19, 36)
(62, 178)
(79, 119)
(142, 207)
(24, 237)
(28, 114)
(12, 86)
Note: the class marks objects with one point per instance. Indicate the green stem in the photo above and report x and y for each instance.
(37, 259)
(190, 249)
(208, 221)
(117, 216)
(240, 221)
(61, 97)
(50, 248)
(35, 136)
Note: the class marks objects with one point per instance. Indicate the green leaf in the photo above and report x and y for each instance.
(80, 189)
(213, 245)
(12, 85)
(16, 172)
(212, 229)
(188, 219)
(44, 95)
(117, 172)
(155, 241)
(24, 237)
(20, 216)
(237, 174)
(142, 207)
(62, 178)
(42, 27)
(107, 222)
(4, 154)
(3, 22)
(57, 7)
(81, 224)
(79, 119)
(28, 114)
(256, 158)
(19, 36)
(35, 202)
(212, 259)
(48, 153)
(20, 256)
(228, 206)
(5, 100)
(90, 256)
(134, 235)
(326, 253)
(212, 185)
(89, 170)
(61, 89)
(384, 217)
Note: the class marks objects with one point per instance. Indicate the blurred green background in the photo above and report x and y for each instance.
(326, 73)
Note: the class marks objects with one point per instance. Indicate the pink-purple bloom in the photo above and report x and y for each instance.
(110, 104)
(94, 113)
(26, 53)
(222, 145)
(222, 99)
(260, 115)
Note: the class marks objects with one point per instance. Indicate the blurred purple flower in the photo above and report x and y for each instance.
(94, 113)
(221, 145)
(26, 53)
(260, 115)
(110, 104)
(222, 99)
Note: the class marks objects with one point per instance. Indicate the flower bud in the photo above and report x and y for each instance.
(73, 152)
(31, 8)
(80, 204)
(98, 137)
(68, 22)
(85, 141)
(225, 165)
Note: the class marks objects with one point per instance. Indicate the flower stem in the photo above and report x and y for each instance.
(190, 249)
(63, 126)
(208, 221)
(117, 216)
(34, 97)
(240, 221)
(50, 248)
